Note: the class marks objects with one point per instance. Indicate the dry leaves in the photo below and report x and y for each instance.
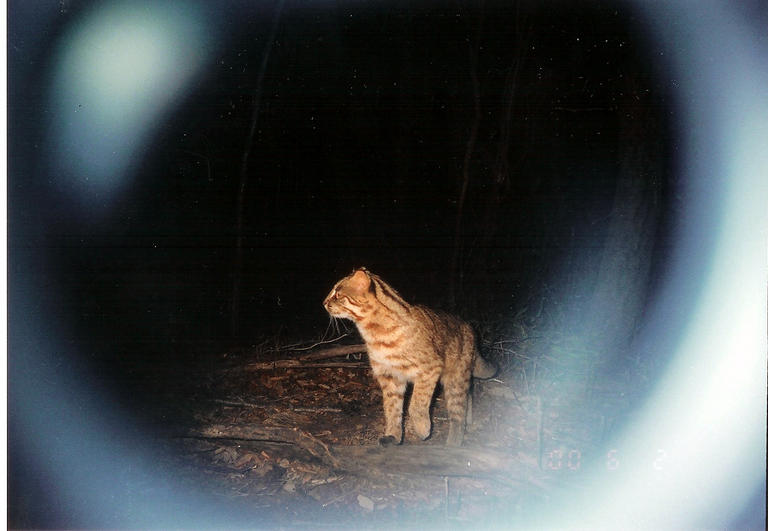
(341, 406)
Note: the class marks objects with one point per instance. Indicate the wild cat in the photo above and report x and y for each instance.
(410, 343)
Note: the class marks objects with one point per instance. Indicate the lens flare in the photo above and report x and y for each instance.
(706, 418)
(117, 75)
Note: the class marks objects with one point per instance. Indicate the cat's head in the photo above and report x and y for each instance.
(352, 296)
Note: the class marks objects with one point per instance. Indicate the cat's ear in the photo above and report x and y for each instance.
(360, 282)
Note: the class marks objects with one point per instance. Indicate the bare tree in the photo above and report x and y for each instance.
(474, 53)
(624, 268)
(237, 268)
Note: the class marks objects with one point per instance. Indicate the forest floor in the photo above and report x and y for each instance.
(292, 432)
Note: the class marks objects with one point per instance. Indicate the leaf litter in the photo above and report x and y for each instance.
(300, 419)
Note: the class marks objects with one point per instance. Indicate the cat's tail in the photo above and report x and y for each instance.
(482, 368)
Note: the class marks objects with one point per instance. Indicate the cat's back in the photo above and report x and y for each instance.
(439, 326)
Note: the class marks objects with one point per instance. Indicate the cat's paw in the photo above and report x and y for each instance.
(388, 440)
(422, 428)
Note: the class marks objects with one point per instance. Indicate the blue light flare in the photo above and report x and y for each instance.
(707, 414)
(117, 74)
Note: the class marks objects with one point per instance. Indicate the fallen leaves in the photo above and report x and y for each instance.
(322, 408)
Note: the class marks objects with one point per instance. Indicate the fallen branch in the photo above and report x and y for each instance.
(324, 354)
(243, 403)
(421, 459)
(407, 459)
(333, 352)
(442, 461)
(299, 364)
(256, 432)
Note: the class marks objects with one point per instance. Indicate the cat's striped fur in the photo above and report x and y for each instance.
(410, 343)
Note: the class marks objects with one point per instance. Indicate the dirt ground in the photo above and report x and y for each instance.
(292, 433)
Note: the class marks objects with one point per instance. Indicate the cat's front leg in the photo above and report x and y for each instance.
(393, 391)
(421, 398)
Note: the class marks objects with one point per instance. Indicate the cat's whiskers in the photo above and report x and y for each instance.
(330, 329)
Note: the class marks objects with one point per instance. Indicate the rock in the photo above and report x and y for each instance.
(365, 502)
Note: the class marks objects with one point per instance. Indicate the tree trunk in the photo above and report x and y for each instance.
(237, 267)
(456, 271)
(623, 276)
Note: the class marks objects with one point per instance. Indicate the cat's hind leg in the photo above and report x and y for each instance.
(456, 387)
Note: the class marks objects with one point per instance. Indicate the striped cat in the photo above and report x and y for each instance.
(408, 343)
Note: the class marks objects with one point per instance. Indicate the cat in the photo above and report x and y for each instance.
(410, 343)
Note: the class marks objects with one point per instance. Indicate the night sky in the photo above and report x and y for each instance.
(483, 157)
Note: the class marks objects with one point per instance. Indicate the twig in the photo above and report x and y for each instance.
(324, 354)
(303, 409)
(317, 409)
(255, 432)
(539, 431)
(445, 479)
(336, 499)
(500, 343)
(241, 403)
(297, 364)
(333, 352)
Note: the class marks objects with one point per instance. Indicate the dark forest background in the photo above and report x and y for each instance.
(501, 160)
